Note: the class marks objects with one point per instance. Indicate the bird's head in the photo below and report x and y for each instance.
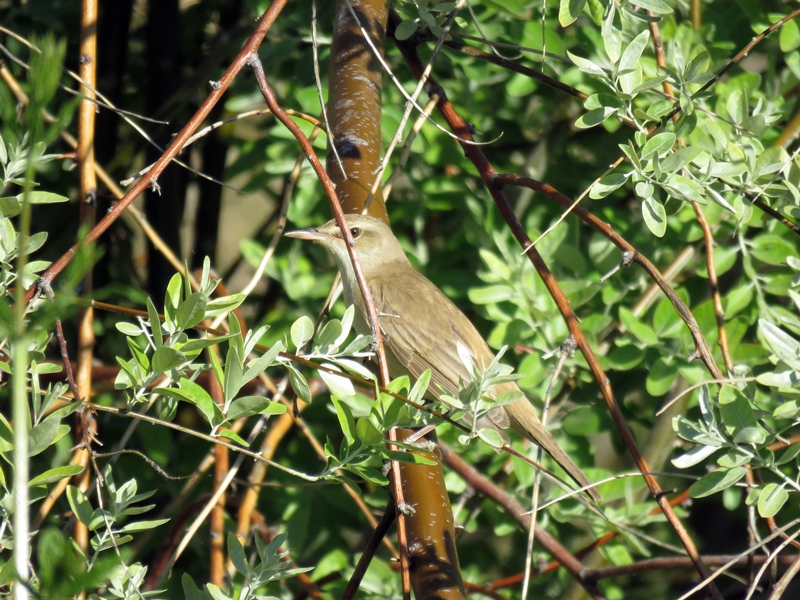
(374, 241)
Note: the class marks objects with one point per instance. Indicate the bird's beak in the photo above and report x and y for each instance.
(312, 233)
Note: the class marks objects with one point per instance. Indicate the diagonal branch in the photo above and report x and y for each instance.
(494, 184)
(265, 22)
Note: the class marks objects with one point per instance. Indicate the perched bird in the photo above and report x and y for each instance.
(421, 327)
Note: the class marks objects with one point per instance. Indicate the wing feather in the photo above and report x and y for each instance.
(413, 348)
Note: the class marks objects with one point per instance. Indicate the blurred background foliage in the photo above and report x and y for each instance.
(156, 59)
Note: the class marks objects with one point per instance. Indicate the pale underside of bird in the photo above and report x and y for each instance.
(421, 328)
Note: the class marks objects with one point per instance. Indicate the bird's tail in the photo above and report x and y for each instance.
(525, 421)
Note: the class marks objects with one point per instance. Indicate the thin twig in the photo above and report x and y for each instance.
(494, 183)
(252, 44)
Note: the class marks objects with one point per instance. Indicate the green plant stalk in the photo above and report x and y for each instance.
(20, 414)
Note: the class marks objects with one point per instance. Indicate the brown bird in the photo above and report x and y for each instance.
(421, 327)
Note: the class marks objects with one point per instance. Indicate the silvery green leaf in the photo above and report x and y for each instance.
(655, 216)
(331, 332)
(694, 456)
(658, 145)
(219, 306)
(420, 387)
(257, 366)
(716, 482)
(302, 331)
(783, 346)
(347, 325)
(338, 385)
(587, 66)
(491, 437)
(355, 367)
(633, 52)
(785, 379)
(465, 357)
(569, 11)
(299, 384)
(128, 328)
(357, 345)
(771, 500)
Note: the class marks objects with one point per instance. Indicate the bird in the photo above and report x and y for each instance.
(421, 327)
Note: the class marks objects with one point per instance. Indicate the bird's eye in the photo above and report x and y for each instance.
(355, 232)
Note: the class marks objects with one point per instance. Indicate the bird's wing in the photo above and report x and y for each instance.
(413, 347)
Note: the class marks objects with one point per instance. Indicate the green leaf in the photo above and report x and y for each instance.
(79, 504)
(694, 456)
(420, 386)
(491, 294)
(662, 376)
(586, 65)
(657, 145)
(230, 435)
(787, 410)
(751, 435)
(582, 421)
(655, 216)
(770, 161)
(219, 306)
(191, 311)
(171, 301)
(675, 161)
(255, 367)
(195, 346)
(772, 249)
(594, 117)
(233, 373)
(216, 367)
(569, 11)
(783, 346)
(346, 420)
(237, 555)
(780, 379)
(633, 52)
(684, 188)
(302, 331)
(143, 525)
(644, 189)
(716, 482)
(57, 474)
(338, 385)
(44, 198)
(44, 434)
(329, 334)
(155, 324)
(405, 30)
(10, 206)
(642, 332)
(368, 433)
(166, 358)
(253, 405)
(299, 384)
(607, 185)
(735, 410)
(194, 394)
(771, 499)
(128, 329)
(191, 591)
(789, 36)
(596, 10)
(491, 437)
(789, 454)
